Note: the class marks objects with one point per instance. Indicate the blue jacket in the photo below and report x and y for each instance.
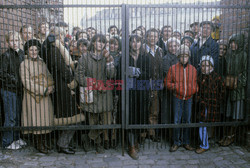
(210, 47)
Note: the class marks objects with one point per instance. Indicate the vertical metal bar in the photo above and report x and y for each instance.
(123, 69)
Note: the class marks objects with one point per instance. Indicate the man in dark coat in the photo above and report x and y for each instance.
(152, 72)
(64, 99)
(166, 33)
(204, 46)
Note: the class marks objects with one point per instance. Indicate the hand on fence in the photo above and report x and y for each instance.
(108, 57)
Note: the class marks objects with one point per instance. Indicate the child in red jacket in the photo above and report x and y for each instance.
(182, 80)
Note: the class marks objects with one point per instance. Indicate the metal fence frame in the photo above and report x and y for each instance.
(124, 125)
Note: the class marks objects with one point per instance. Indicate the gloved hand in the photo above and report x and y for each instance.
(133, 72)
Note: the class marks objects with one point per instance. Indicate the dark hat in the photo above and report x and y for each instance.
(207, 22)
(195, 23)
(190, 31)
(188, 38)
(32, 42)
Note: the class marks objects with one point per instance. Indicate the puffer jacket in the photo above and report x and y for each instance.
(9, 70)
(236, 65)
(183, 81)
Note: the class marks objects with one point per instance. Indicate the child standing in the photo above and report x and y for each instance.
(210, 95)
(182, 79)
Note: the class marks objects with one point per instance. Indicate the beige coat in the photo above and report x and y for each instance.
(37, 106)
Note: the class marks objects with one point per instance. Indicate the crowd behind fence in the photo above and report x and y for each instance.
(84, 86)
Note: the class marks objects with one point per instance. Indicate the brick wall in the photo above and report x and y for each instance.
(14, 19)
(234, 20)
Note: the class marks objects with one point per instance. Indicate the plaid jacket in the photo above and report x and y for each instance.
(210, 96)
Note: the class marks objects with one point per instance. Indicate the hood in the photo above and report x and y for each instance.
(239, 40)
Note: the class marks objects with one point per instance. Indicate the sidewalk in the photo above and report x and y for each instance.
(150, 157)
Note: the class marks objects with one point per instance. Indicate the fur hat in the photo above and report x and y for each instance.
(30, 43)
(183, 50)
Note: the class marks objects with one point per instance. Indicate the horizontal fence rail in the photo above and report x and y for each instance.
(116, 80)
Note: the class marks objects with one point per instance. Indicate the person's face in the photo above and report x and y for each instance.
(216, 21)
(33, 52)
(206, 30)
(74, 32)
(167, 32)
(62, 36)
(99, 45)
(27, 34)
(66, 29)
(113, 31)
(188, 34)
(83, 36)
(83, 48)
(184, 59)
(222, 50)
(114, 46)
(14, 42)
(152, 38)
(206, 67)
(138, 33)
(196, 28)
(187, 42)
(91, 33)
(177, 35)
(173, 47)
(136, 45)
(44, 28)
(233, 46)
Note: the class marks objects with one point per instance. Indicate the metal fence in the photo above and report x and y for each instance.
(126, 100)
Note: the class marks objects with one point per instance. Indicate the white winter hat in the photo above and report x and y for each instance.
(207, 58)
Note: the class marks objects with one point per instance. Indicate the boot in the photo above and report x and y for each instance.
(106, 144)
(99, 149)
(132, 153)
(137, 148)
(40, 144)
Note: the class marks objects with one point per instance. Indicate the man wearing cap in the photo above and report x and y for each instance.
(195, 27)
(187, 40)
(204, 46)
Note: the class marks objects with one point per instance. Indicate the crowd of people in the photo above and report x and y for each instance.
(52, 78)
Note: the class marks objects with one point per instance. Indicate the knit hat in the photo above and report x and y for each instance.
(207, 58)
(183, 50)
(188, 38)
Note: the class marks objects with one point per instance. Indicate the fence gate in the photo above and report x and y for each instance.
(147, 94)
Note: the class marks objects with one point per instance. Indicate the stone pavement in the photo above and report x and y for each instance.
(153, 156)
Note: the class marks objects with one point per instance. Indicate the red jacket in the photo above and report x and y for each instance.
(182, 81)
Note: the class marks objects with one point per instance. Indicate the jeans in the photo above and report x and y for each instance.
(12, 112)
(182, 110)
(204, 135)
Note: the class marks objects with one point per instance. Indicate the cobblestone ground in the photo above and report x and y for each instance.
(155, 156)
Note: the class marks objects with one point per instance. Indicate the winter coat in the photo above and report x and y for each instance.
(95, 67)
(210, 96)
(37, 105)
(210, 47)
(9, 70)
(236, 65)
(183, 81)
(57, 61)
(167, 61)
